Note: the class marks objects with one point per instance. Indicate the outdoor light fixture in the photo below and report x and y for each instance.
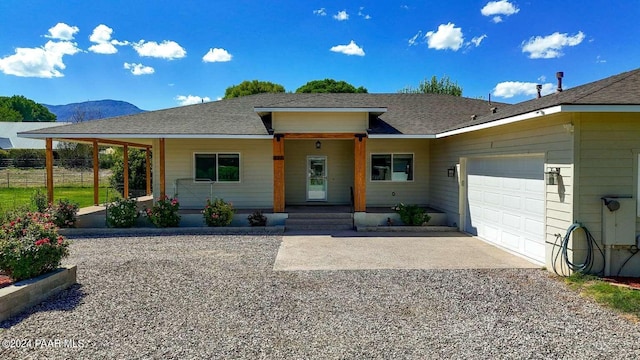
(552, 175)
(451, 172)
(318, 144)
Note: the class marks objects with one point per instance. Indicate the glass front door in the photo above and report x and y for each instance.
(316, 178)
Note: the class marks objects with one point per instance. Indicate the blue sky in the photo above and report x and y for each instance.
(160, 54)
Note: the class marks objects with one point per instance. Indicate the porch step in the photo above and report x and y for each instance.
(319, 221)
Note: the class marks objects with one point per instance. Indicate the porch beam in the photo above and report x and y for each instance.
(163, 191)
(319, 135)
(109, 142)
(125, 172)
(148, 170)
(360, 174)
(278, 175)
(96, 174)
(49, 165)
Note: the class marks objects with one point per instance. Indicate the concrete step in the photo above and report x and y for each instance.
(320, 216)
(319, 221)
(318, 227)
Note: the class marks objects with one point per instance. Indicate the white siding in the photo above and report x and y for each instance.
(320, 122)
(255, 189)
(389, 193)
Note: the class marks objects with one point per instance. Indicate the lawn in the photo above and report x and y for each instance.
(13, 197)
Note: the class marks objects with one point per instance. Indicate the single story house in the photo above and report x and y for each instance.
(9, 138)
(517, 176)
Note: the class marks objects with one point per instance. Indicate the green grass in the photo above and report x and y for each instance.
(622, 299)
(13, 197)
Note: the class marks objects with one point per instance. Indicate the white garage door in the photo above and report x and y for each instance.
(505, 203)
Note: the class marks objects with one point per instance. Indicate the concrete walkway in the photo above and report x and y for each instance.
(366, 251)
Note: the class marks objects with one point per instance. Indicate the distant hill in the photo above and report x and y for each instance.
(92, 110)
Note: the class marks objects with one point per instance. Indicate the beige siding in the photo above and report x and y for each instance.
(340, 169)
(389, 193)
(256, 172)
(609, 144)
(320, 122)
(537, 136)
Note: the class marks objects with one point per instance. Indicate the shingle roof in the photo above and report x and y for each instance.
(408, 114)
(621, 89)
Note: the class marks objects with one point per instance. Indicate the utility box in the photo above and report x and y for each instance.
(618, 221)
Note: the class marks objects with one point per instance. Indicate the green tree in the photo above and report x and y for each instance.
(29, 110)
(252, 87)
(435, 86)
(137, 171)
(329, 86)
(9, 115)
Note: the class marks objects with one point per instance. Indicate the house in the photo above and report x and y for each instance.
(9, 138)
(517, 176)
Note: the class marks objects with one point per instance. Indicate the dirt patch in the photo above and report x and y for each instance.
(630, 282)
(5, 281)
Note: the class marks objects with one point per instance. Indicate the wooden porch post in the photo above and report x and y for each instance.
(148, 174)
(278, 173)
(162, 169)
(49, 165)
(360, 174)
(96, 174)
(125, 175)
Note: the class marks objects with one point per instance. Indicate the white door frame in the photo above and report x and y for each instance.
(324, 177)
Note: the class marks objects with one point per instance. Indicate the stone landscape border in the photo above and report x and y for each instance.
(24, 294)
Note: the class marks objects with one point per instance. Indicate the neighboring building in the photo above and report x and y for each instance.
(515, 175)
(9, 138)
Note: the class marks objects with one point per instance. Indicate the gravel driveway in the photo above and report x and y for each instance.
(184, 297)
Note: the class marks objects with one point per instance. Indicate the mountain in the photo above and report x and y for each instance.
(92, 110)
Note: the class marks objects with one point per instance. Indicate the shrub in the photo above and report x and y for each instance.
(30, 246)
(39, 200)
(122, 213)
(164, 213)
(218, 213)
(257, 219)
(137, 170)
(63, 214)
(412, 215)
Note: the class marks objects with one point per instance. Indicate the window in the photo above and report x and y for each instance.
(391, 167)
(217, 167)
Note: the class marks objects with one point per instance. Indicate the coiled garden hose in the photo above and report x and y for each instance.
(586, 266)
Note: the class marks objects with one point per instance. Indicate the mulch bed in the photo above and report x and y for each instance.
(5, 281)
(630, 282)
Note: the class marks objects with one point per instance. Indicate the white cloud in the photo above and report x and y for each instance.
(478, 39)
(600, 60)
(341, 15)
(542, 78)
(42, 62)
(351, 49)
(191, 99)
(320, 12)
(217, 55)
(62, 31)
(509, 89)
(365, 16)
(139, 69)
(101, 37)
(169, 50)
(447, 37)
(414, 40)
(498, 8)
(549, 47)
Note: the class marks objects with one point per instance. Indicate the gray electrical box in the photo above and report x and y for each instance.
(618, 221)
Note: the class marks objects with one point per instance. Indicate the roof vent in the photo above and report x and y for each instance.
(559, 76)
(473, 117)
(539, 88)
(494, 110)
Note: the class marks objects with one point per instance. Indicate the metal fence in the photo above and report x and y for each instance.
(32, 173)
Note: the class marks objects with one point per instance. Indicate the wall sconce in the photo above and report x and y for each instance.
(318, 144)
(451, 172)
(552, 175)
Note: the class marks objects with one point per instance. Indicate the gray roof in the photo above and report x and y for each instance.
(9, 132)
(407, 114)
(621, 89)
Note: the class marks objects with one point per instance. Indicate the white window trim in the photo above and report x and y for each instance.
(216, 153)
(413, 157)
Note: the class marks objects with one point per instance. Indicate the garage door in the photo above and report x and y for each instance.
(505, 203)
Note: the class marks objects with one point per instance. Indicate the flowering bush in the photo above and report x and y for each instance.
(64, 213)
(257, 219)
(164, 213)
(218, 213)
(122, 213)
(30, 246)
(412, 215)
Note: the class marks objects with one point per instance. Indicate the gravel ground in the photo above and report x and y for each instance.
(184, 297)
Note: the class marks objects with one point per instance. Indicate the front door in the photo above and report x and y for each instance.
(316, 178)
